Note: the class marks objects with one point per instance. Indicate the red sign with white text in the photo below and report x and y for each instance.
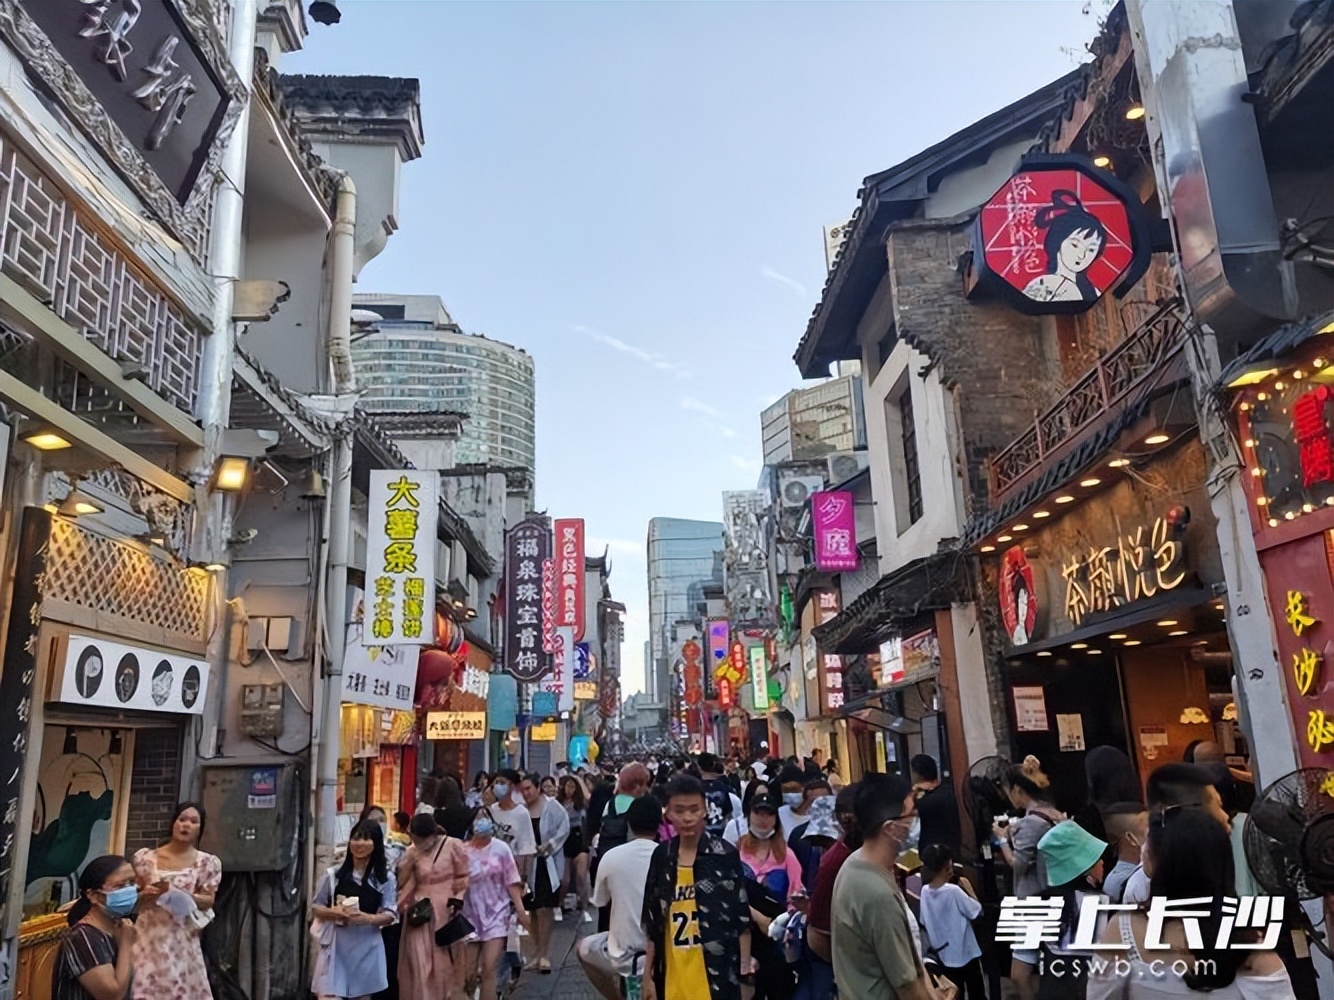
(570, 574)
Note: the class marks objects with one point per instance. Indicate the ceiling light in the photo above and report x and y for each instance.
(1090, 481)
(1102, 160)
(1039, 514)
(1132, 642)
(1095, 652)
(1157, 438)
(1135, 112)
(1004, 538)
(1118, 463)
(232, 473)
(1200, 642)
(1299, 374)
(1045, 652)
(46, 440)
(987, 548)
(1118, 635)
(1263, 397)
(1279, 386)
(1167, 623)
(1180, 631)
(1020, 527)
(1067, 498)
(1079, 645)
(1252, 377)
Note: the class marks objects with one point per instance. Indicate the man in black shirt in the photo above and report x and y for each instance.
(935, 805)
(717, 795)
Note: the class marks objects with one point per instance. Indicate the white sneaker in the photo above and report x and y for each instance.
(588, 917)
(559, 917)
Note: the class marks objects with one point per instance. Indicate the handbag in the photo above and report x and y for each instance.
(422, 912)
(458, 928)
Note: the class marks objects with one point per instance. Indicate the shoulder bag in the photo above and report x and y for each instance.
(422, 911)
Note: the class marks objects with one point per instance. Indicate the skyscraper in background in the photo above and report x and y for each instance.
(683, 557)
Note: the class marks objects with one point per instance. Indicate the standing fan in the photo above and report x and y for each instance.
(1289, 841)
(984, 794)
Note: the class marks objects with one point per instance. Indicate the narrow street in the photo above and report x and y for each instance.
(567, 980)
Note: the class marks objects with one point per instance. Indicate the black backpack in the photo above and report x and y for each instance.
(615, 829)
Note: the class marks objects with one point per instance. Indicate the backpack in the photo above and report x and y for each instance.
(615, 829)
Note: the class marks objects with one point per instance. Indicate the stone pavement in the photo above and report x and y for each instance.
(567, 981)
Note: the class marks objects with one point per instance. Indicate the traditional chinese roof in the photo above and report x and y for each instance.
(892, 196)
(896, 603)
(373, 107)
(1276, 346)
(261, 401)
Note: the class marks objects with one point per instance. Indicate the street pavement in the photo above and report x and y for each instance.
(567, 980)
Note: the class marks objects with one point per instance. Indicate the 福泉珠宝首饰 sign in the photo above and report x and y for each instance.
(527, 548)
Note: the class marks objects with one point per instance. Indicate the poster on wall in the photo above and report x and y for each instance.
(113, 675)
(1070, 732)
(402, 514)
(1030, 710)
(384, 676)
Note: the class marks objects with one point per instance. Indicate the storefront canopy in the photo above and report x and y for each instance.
(896, 602)
(1122, 619)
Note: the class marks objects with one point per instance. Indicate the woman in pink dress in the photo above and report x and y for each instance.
(168, 959)
(435, 867)
(495, 893)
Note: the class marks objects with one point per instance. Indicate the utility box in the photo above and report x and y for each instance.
(262, 710)
(254, 814)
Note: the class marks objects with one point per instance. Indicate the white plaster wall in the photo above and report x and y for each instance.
(979, 734)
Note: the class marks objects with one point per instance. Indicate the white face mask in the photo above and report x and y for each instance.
(762, 834)
(914, 836)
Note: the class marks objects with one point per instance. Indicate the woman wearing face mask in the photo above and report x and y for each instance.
(769, 862)
(168, 959)
(96, 958)
(435, 868)
(395, 845)
(357, 901)
(479, 785)
(495, 892)
(738, 825)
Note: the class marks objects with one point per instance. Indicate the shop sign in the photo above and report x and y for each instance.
(558, 682)
(570, 575)
(692, 672)
(720, 634)
(455, 725)
(476, 682)
(544, 732)
(527, 547)
(1059, 235)
(1142, 563)
(759, 678)
(1018, 597)
(583, 661)
(833, 516)
(112, 675)
(385, 676)
(585, 690)
(147, 74)
(828, 609)
(1307, 667)
(910, 658)
(400, 557)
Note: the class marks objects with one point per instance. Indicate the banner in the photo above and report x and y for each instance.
(526, 548)
(559, 682)
(570, 575)
(385, 676)
(585, 690)
(834, 518)
(403, 512)
(112, 675)
(759, 678)
(455, 725)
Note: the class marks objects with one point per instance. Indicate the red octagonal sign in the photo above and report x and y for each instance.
(1059, 235)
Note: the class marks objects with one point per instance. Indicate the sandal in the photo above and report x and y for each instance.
(544, 967)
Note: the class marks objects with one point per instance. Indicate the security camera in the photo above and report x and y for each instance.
(243, 537)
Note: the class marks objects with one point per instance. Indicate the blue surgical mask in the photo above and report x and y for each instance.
(121, 902)
(792, 799)
(500, 789)
(483, 827)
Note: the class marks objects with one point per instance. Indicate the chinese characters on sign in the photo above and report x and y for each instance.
(559, 682)
(834, 518)
(759, 678)
(1306, 670)
(385, 676)
(455, 725)
(570, 575)
(527, 547)
(403, 508)
(1144, 562)
(826, 610)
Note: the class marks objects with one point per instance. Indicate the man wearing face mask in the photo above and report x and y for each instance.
(874, 949)
(513, 824)
(798, 794)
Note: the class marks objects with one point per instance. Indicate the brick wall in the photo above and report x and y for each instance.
(154, 786)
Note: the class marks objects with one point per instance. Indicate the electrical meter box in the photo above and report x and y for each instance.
(254, 813)
(262, 710)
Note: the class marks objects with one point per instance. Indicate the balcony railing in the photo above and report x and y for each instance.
(1098, 392)
(59, 254)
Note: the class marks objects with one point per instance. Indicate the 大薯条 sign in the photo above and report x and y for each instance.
(400, 557)
(1059, 235)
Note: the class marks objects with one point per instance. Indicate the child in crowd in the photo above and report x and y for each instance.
(947, 911)
(1127, 826)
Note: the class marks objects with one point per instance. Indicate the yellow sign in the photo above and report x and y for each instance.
(400, 558)
(585, 690)
(543, 733)
(1142, 564)
(456, 725)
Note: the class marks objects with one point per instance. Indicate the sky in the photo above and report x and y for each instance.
(635, 194)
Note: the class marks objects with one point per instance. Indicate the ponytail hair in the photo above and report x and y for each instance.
(91, 879)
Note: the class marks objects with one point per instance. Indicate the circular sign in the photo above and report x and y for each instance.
(1018, 597)
(190, 686)
(1059, 235)
(127, 677)
(88, 672)
(161, 685)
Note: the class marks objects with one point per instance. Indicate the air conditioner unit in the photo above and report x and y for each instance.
(843, 465)
(796, 492)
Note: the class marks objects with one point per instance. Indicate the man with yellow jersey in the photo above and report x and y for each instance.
(696, 918)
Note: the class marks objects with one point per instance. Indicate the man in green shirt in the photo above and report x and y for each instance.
(874, 954)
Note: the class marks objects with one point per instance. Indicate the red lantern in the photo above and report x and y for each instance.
(434, 666)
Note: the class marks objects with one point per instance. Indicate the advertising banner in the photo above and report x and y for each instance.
(455, 725)
(526, 549)
(759, 678)
(384, 676)
(570, 575)
(833, 516)
(112, 675)
(403, 511)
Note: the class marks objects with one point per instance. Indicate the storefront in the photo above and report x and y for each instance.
(1105, 591)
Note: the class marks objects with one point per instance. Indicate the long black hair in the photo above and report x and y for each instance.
(94, 875)
(1111, 777)
(1064, 217)
(377, 865)
(176, 814)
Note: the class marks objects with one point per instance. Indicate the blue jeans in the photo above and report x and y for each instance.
(815, 977)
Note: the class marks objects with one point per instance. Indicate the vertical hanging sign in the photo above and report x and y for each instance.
(400, 557)
(833, 517)
(759, 678)
(527, 547)
(570, 575)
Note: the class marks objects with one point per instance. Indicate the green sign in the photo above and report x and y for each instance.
(759, 678)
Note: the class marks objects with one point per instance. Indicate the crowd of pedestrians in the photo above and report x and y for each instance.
(712, 880)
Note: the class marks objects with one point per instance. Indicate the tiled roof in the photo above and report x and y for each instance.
(896, 602)
(1278, 344)
(1292, 60)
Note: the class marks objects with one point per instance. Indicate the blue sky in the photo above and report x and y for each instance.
(634, 193)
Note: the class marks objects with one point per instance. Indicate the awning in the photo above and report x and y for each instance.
(896, 603)
(1122, 619)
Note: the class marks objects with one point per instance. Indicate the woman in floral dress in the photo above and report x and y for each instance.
(495, 897)
(168, 959)
(435, 867)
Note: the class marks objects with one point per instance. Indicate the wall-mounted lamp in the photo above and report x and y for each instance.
(231, 474)
(76, 503)
(45, 439)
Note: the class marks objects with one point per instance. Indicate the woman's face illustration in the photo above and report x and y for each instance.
(1080, 249)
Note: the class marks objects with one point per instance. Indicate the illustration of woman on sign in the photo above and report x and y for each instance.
(1075, 238)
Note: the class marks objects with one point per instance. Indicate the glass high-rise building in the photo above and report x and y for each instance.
(420, 361)
(683, 557)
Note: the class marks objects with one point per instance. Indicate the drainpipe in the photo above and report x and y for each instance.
(340, 519)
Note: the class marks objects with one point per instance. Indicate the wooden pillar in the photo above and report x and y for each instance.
(952, 707)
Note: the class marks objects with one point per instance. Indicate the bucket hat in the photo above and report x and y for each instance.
(822, 822)
(1068, 851)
